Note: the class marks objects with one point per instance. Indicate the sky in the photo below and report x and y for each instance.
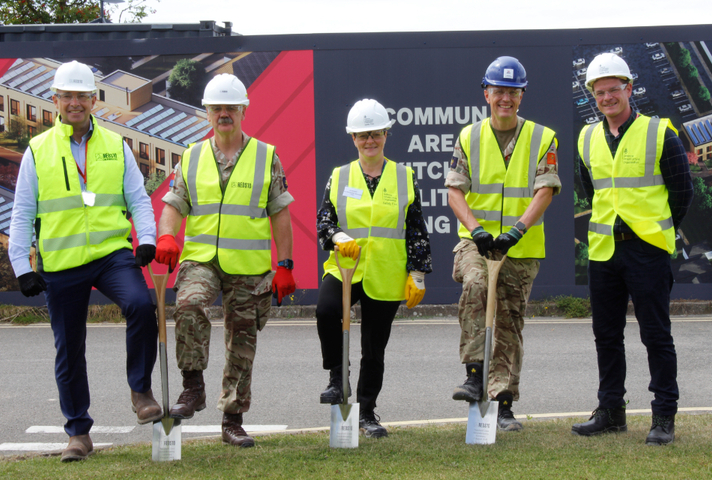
(275, 17)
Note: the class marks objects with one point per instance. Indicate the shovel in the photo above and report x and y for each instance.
(166, 431)
(344, 417)
(482, 418)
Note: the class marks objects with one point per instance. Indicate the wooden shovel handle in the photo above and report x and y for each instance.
(346, 276)
(160, 282)
(493, 268)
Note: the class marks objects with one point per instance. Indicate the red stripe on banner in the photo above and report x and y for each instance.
(5, 64)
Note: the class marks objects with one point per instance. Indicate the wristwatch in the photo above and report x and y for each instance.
(521, 227)
(286, 263)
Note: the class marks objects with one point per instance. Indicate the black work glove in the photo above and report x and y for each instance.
(483, 240)
(145, 254)
(31, 284)
(507, 240)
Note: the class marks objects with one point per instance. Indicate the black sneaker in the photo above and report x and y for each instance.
(662, 431)
(603, 420)
(505, 416)
(471, 390)
(369, 425)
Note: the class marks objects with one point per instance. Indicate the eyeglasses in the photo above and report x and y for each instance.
(514, 93)
(227, 108)
(601, 94)
(376, 135)
(82, 97)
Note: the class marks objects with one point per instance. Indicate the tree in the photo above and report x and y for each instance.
(23, 12)
(187, 81)
(704, 93)
(684, 57)
(691, 71)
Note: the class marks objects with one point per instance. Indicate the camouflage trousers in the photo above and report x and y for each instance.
(246, 304)
(513, 289)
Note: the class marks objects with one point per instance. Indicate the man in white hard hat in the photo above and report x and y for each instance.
(635, 172)
(76, 183)
(503, 175)
(231, 188)
(371, 205)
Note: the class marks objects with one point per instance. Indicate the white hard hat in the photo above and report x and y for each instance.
(225, 89)
(607, 65)
(73, 77)
(367, 115)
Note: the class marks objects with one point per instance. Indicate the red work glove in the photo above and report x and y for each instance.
(167, 251)
(283, 283)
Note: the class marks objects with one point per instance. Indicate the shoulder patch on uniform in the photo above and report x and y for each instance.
(551, 158)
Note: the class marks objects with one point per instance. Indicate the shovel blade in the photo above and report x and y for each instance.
(482, 423)
(166, 440)
(344, 426)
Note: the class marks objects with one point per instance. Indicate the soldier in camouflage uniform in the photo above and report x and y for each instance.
(502, 177)
(221, 252)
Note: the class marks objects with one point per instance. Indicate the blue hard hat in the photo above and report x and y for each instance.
(505, 72)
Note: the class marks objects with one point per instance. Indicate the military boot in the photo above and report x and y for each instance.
(334, 393)
(603, 420)
(233, 433)
(370, 425)
(505, 417)
(192, 398)
(663, 430)
(471, 390)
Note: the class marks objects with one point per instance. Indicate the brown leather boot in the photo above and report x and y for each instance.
(146, 407)
(192, 399)
(79, 448)
(233, 433)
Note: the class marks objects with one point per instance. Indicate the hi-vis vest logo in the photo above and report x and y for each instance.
(389, 198)
(106, 157)
(241, 184)
(627, 158)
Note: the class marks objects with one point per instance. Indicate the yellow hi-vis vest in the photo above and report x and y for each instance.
(629, 185)
(232, 224)
(377, 224)
(500, 195)
(72, 234)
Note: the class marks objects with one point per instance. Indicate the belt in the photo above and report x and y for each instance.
(619, 237)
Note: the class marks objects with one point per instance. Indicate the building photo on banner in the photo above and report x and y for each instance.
(301, 90)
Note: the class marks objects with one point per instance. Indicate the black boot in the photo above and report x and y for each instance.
(471, 390)
(370, 425)
(663, 430)
(603, 420)
(334, 391)
(505, 417)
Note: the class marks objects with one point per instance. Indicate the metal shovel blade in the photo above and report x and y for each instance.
(344, 426)
(482, 427)
(166, 446)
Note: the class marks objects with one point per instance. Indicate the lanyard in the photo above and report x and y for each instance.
(86, 163)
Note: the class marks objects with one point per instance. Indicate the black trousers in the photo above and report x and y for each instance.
(376, 320)
(641, 271)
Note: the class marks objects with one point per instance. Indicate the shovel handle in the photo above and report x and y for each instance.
(160, 281)
(493, 268)
(346, 276)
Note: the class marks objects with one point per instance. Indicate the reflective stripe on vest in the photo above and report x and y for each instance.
(627, 187)
(498, 195)
(233, 224)
(377, 223)
(72, 234)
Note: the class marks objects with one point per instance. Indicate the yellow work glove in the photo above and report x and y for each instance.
(414, 288)
(347, 245)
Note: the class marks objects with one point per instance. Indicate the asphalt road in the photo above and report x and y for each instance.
(422, 368)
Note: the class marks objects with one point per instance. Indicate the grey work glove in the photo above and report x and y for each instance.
(483, 240)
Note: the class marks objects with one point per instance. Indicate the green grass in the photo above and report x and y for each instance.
(544, 450)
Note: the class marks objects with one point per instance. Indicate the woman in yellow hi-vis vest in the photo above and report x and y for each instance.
(372, 203)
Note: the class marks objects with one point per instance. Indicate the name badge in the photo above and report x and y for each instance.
(355, 193)
(89, 198)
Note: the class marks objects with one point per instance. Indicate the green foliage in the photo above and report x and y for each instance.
(573, 307)
(702, 205)
(17, 131)
(703, 93)
(581, 253)
(691, 71)
(23, 12)
(187, 82)
(153, 181)
(684, 57)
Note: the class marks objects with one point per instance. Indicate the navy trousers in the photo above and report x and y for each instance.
(641, 271)
(68, 291)
(376, 320)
